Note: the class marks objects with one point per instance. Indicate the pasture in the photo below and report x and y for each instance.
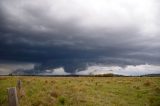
(83, 91)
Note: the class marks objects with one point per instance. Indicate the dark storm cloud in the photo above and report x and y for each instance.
(71, 34)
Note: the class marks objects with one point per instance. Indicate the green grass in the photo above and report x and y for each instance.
(84, 91)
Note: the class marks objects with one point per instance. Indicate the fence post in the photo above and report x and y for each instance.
(12, 96)
(19, 84)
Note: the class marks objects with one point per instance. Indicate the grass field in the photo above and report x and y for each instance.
(83, 91)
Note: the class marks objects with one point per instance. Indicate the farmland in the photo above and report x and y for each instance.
(83, 91)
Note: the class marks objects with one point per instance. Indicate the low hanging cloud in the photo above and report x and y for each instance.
(56, 33)
(57, 71)
(127, 70)
(7, 68)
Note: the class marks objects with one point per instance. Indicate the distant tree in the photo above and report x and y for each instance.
(10, 74)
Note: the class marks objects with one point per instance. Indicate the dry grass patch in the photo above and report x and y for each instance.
(147, 83)
(54, 93)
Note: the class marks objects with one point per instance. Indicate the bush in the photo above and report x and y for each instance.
(147, 83)
(54, 94)
(62, 100)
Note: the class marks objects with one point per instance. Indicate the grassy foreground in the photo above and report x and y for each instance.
(83, 91)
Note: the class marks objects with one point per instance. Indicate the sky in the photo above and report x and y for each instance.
(61, 37)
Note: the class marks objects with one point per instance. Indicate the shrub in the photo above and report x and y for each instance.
(46, 81)
(62, 100)
(54, 94)
(157, 89)
(147, 83)
(136, 87)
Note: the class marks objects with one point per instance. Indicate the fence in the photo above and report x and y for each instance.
(12, 94)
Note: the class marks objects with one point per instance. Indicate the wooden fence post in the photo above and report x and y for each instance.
(19, 84)
(12, 96)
